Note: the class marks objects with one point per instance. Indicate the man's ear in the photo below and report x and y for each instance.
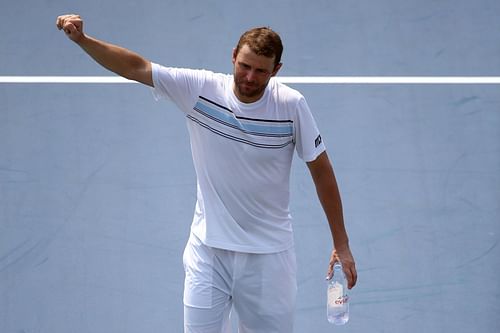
(276, 69)
(234, 56)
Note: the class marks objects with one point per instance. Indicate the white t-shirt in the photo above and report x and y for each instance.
(242, 155)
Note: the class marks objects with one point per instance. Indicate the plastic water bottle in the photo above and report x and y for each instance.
(337, 298)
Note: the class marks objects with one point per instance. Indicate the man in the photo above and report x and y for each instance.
(243, 129)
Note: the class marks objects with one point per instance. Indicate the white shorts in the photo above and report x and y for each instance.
(261, 288)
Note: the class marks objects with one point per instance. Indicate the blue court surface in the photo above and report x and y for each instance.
(97, 187)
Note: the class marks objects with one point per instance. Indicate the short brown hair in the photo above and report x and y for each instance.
(263, 41)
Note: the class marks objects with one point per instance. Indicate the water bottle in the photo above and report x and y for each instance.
(337, 298)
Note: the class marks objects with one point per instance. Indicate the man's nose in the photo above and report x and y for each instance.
(251, 75)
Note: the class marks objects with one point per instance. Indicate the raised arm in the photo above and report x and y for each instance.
(112, 57)
(329, 196)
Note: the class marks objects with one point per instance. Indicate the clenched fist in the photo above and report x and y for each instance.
(72, 25)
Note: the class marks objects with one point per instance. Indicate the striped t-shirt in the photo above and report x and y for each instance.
(242, 154)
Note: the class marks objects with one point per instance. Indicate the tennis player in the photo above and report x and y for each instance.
(244, 129)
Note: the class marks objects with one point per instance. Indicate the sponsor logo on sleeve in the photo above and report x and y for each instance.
(317, 142)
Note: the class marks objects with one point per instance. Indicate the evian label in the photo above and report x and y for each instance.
(336, 297)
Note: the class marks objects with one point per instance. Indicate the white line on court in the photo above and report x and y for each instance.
(284, 79)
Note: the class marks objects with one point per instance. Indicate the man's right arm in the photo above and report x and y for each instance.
(112, 57)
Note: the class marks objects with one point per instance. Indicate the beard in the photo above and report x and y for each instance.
(248, 89)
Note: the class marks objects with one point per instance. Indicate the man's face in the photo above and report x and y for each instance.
(252, 73)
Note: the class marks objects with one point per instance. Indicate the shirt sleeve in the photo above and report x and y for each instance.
(308, 141)
(180, 85)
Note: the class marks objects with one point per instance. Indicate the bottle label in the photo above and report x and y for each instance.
(336, 296)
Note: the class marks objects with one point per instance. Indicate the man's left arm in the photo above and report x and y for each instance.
(328, 193)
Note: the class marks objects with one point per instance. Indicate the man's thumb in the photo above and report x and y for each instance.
(70, 29)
